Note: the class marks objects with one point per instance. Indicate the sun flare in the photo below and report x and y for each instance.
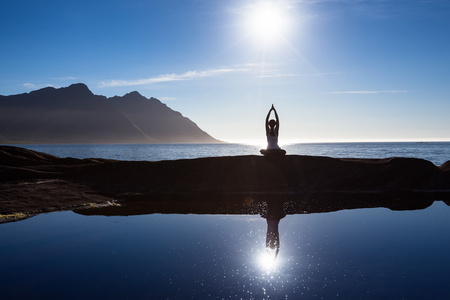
(267, 21)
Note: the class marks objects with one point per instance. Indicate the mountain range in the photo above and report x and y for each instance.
(75, 115)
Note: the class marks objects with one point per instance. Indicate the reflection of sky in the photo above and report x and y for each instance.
(374, 253)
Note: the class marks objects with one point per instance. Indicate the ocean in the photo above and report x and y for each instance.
(436, 152)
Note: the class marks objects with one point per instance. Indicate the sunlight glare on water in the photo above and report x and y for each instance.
(268, 262)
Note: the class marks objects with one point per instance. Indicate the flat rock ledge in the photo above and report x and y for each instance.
(33, 182)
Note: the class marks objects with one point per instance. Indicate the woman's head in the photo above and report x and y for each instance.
(272, 124)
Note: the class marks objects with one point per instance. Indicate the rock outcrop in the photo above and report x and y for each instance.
(28, 177)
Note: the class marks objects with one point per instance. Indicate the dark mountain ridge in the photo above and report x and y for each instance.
(75, 115)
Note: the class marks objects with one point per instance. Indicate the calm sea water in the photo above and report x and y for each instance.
(438, 153)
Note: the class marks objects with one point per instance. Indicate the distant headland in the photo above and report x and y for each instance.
(75, 115)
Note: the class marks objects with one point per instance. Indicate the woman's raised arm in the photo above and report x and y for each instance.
(277, 120)
(267, 120)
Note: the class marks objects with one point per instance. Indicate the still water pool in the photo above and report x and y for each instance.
(373, 253)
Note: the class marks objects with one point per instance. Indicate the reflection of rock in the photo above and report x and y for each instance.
(308, 181)
(272, 207)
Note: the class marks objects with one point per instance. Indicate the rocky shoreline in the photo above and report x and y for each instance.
(33, 182)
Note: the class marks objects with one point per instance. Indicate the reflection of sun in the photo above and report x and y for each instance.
(267, 261)
(267, 21)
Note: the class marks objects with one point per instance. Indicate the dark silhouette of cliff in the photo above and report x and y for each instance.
(75, 115)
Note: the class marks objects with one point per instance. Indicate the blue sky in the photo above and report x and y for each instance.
(336, 70)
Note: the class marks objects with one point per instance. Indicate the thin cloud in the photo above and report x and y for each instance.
(64, 78)
(382, 9)
(30, 85)
(370, 92)
(33, 86)
(166, 98)
(277, 75)
(190, 75)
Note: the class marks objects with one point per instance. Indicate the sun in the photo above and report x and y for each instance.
(267, 21)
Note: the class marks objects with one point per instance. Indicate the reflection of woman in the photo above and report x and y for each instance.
(273, 237)
(272, 129)
(273, 215)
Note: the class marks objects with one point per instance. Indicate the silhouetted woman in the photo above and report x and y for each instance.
(272, 129)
